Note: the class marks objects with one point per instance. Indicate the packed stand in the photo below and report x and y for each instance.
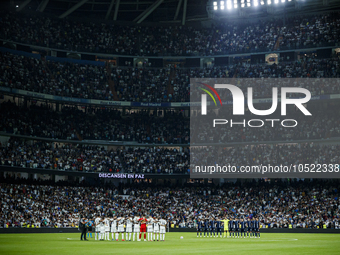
(142, 84)
(71, 157)
(146, 127)
(322, 124)
(272, 154)
(277, 204)
(72, 123)
(261, 36)
(55, 78)
(156, 160)
(90, 158)
(152, 84)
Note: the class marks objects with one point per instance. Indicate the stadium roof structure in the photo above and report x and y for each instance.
(169, 11)
(136, 11)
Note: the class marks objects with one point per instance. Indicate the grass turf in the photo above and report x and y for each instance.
(268, 244)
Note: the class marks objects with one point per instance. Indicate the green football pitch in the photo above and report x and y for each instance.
(63, 243)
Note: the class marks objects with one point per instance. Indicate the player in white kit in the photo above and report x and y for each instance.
(155, 228)
(128, 223)
(136, 228)
(149, 228)
(114, 228)
(121, 227)
(97, 230)
(162, 229)
(107, 228)
(102, 229)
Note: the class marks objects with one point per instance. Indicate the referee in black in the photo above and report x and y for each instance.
(82, 228)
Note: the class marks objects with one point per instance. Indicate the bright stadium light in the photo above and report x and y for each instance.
(242, 5)
(256, 3)
(282, 1)
(269, 2)
(276, 1)
(215, 3)
(262, 2)
(235, 4)
(215, 7)
(222, 5)
(229, 6)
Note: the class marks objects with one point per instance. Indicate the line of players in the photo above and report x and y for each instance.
(236, 228)
(131, 227)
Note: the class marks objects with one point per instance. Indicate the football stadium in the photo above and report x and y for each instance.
(170, 127)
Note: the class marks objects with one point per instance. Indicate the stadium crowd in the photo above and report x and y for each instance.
(91, 158)
(96, 124)
(323, 124)
(153, 84)
(293, 32)
(70, 157)
(55, 78)
(152, 127)
(270, 154)
(278, 203)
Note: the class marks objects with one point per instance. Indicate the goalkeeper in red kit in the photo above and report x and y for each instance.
(143, 222)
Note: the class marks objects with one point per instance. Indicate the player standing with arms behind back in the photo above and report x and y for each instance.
(206, 227)
(249, 228)
(143, 222)
(225, 227)
(199, 227)
(257, 227)
(231, 227)
(253, 227)
(242, 228)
